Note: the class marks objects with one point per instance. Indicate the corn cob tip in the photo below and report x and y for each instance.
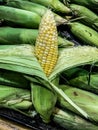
(46, 47)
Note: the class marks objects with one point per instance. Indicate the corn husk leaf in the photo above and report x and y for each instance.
(86, 100)
(15, 98)
(71, 121)
(21, 59)
(73, 57)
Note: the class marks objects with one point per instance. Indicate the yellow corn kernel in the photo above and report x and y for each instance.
(46, 47)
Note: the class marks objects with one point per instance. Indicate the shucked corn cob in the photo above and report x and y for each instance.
(46, 48)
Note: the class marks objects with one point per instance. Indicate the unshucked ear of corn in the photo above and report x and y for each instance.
(86, 100)
(93, 4)
(54, 4)
(19, 17)
(86, 34)
(11, 35)
(71, 121)
(87, 81)
(46, 50)
(89, 17)
(34, 7)
(43, 100)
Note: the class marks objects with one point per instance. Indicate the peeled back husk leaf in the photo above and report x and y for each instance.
(73, 57)
(20, 58)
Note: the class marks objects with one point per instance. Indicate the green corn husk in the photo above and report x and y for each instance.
(86, 34)
(44, 100)
(10, 35)
(89, 17)
(20, 17)
(74, 57)
(54, 4)
(86, 82)
(13, 79)
(71, 121)
(93, 4)
(15, 98)
(34, 7)
(20, 58)
(74, 72)
(86, 100)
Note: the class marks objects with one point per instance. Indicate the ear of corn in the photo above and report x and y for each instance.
(54, 4)
(34, 7)
(86, 34)
(15, 98)
(71, 121)
(93, 4)
(86, 82)
(20, 17)
(86, 100)
(46, 48)
(89, 17)
(12, 36)
(43, 100)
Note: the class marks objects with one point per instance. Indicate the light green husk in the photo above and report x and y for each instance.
(16, 98)
(71, 121)
(54, 4)
(44, 101)
(20, 17)
(86, 81)
(12, 36)
(86, 100)
(74, 57)
(89, 17)
(34, 7)
(86, 34)
(20, 58)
